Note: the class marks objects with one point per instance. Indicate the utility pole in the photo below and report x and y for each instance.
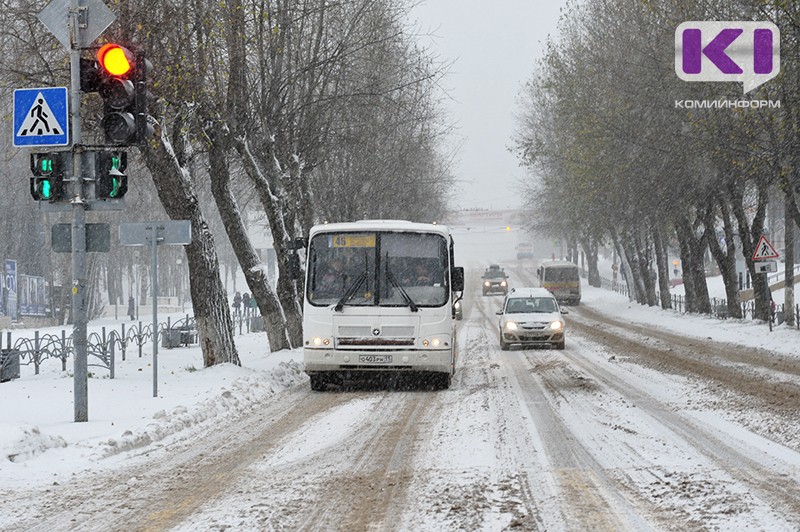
(78, 223)
(788, 257)
(61, 180)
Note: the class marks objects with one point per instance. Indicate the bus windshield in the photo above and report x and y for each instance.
(561, 275)
(388, 269)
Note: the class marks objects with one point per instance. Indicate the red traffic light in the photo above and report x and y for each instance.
(115, 59)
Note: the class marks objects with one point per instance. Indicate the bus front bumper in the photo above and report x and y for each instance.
(329, 360)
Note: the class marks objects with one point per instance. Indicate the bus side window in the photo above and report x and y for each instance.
(539, 272)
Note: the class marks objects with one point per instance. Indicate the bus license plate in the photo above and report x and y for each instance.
(375, 359)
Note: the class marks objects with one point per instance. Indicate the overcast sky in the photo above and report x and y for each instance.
(494, 46)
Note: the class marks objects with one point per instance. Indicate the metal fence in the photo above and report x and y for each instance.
(719, 306)
(101, 347)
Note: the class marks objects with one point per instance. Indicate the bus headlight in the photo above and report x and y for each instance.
(511, 326)
(317, 341)
(458, 304)
(433, 342)
(557, 325)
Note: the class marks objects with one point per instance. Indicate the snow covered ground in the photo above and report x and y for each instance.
(40, 444)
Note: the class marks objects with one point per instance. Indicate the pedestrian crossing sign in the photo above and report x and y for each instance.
(764, 250)
(41, 117)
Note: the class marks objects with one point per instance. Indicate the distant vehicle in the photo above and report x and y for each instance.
(494, 280)
(562, 279)
(524, 250)
(531, 316)
(367, 310)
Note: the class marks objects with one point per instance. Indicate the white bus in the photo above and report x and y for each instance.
(379, 298)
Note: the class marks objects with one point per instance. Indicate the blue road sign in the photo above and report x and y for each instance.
(41, 117)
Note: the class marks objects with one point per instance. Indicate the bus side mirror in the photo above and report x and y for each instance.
(297, 243)
(538, 272)
(294, 266)
(458, 279)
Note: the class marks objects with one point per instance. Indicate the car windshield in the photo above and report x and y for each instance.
(494, 274)
(527, 305)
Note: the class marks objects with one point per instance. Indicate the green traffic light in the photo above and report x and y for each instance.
(114, 188)
(46, 165)
(49, 168)
(45, 189)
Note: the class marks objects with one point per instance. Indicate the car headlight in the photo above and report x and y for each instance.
(502, 283)
(511, 326)
(556, 325)
(487, 283)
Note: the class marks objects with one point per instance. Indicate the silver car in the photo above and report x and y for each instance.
(531, 316)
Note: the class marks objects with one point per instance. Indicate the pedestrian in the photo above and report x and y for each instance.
(131, 308)
(246, 304)
(237, 304)
(772, 307)
(614, 271)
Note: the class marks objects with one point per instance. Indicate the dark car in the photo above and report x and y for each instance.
(494, 280)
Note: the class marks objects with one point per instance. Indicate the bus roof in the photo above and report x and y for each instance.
(559, 264)
(380, 225)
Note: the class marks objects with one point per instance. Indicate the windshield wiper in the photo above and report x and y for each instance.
(350, 291)
(409, 301)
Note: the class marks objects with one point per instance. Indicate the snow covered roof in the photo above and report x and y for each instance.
(380, 225)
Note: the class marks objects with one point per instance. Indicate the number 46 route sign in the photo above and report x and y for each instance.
(41, 117)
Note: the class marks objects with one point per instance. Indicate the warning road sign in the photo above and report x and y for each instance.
(41, 117)
(764, 250)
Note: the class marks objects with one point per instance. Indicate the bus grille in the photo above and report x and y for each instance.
(369, 341)
(392, 331)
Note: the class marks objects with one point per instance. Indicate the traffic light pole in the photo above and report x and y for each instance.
(79, 314)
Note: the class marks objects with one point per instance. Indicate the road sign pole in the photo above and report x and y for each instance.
(154, 284)
(173, 232)
(79, 314)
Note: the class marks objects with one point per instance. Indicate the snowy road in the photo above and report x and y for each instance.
(629, 428)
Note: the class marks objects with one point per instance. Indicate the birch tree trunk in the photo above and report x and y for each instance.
(254, 272)
(211, 312)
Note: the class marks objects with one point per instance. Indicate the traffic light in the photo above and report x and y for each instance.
(110, 179)
(90, 75)
(142, 97)
(116, 87)
(120, 76)
(49, 169)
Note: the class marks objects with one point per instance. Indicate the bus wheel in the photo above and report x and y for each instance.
(317, 384)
